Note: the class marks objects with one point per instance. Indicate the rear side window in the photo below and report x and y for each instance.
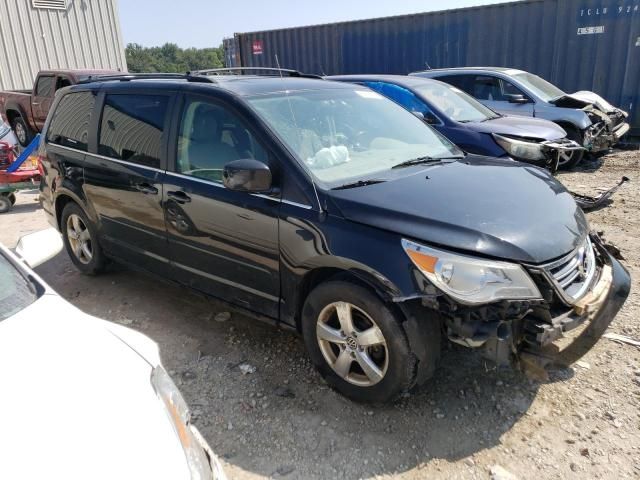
(132, 128)
(463, 82)
(69, 125)
(45, 85)
(487, 88)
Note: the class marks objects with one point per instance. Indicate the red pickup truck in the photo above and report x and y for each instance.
(26, 110)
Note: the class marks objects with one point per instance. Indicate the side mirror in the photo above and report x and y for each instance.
(247, 175)
(39, 247)
(517, 98)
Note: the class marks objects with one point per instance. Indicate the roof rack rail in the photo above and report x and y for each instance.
(147, 76)
(252, 70)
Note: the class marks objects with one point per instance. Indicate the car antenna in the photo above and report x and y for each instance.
(293, 117)
(426, 64)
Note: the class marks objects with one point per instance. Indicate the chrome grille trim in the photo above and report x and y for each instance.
(573, 274)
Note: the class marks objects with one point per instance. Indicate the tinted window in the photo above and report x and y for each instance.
(463, 82)
(487, 88)
(210, 137)
(69, 125)
(16, 293)
(132, 128)
(45, 86)
(509, 89)
(62, 82)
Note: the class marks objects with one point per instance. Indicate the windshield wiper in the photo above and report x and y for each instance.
(359, 183)
(423, 160)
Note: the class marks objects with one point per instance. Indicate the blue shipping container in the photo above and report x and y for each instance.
(575, 44)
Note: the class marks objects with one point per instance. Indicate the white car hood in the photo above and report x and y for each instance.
(594, 99)
(77, 401)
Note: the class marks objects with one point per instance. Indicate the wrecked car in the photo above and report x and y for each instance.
(472, 126)
(587, 118)
(326, 208)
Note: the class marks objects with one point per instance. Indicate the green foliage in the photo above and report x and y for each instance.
(170, 58)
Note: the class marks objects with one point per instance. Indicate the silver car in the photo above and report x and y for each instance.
(586, 117)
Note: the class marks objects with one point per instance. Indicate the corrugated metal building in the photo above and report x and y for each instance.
(576, 44)
(57, 34)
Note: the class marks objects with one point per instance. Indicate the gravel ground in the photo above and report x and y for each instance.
(281, 421)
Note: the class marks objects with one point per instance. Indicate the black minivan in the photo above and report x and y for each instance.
(329, 209)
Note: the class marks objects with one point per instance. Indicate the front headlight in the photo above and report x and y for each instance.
(526, 150)
(470, 280)
(192, 443)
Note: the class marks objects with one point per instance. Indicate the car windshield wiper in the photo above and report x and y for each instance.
(423, 160)
(359, 183)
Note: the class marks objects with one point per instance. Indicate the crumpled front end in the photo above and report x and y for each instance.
(606, 129)
(608, 123)
(581, 295)
(542, 153)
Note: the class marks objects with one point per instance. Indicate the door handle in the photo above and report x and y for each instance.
(179, 196)
(147, 188)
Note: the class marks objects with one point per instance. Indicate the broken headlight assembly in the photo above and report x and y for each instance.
(521, 148)
(470, 280)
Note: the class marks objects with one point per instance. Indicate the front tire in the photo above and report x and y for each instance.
(81, 240)
(357, 343)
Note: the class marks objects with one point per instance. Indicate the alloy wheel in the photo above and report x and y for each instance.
(79, 239)
(566, 156)
(21, 133)
(352, 344)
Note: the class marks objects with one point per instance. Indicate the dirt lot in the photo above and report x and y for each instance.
(283, 422)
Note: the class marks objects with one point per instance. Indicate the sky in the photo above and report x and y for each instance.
(204, 23)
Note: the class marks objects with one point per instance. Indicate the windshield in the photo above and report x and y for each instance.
(344, 135)
(455, 103)
(16, 292)
(543, 89)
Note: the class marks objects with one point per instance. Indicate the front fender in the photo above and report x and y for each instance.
(15, 106)
(311, 242)
(571, 116)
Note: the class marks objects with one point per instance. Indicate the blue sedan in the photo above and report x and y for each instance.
(472, 126)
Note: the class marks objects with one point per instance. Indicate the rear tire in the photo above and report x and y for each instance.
(357, 343)
(5, 204)
(571, 160)
(22, 131)
(81, 240)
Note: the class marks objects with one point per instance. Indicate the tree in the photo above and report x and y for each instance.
(171, 58)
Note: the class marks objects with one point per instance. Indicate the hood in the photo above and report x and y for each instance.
(583, 99)
(517, 126)
(496, 208)
(87, 397)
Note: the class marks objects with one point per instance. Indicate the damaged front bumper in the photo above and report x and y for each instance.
(533, 336)
(605, 131)
(554, 149)
(569, 338)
